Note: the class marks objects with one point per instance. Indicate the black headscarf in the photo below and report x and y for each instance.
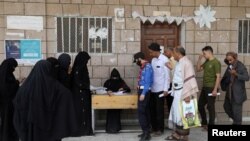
(55, 66)
(116, 82)
(63, 75)
(81, 60)
(6, 70)
(37, 95)
(64, 61)
(115, 75)
(80, 67)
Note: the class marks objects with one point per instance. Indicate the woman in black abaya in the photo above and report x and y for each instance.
(80, 85)
(114, 84)
(63, 74)
(8, 88)
(44, 109)
(55, 66)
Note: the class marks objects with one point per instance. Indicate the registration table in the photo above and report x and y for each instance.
(104, 101)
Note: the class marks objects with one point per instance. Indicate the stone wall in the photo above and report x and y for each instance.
(126, 35)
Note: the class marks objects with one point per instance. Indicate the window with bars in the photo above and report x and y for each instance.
(90, 34)
(244, 37)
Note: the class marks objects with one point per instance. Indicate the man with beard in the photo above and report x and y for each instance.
(145, 80)
(236, 76)
(185, 88)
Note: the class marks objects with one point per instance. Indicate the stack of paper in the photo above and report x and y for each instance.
(118, 93)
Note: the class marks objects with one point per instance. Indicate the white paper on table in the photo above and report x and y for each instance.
(118, 93)
(93, 88)
(98, 90)
(101, 92)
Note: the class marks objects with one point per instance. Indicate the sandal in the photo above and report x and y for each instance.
(172, 137)
(204, 128)
(183, 138)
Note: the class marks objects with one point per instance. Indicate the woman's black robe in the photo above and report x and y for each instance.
(44, 109)
(113, 120)
(8, 88)
(80, 86)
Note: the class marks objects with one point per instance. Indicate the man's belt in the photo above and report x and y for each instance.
(176, 89)
(176, 86)
(187, 79)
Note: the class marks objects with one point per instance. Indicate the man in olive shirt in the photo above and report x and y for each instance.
(211, 81)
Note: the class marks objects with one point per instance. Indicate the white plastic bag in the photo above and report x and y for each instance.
(189, 114)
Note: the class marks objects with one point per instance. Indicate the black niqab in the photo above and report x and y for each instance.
(55, 66)
(6, 70)
(64, 61)
(63, 75)
(80, 67)
(116, 82)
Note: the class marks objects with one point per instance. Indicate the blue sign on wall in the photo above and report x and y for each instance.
(25, 51)
(30, 49)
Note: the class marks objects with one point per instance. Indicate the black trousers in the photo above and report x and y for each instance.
(169, 99)
(210, 102)
(233, 110)
(144, 113)
(157, 111)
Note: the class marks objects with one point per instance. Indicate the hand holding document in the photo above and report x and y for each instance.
(210, 94)
(162, 95)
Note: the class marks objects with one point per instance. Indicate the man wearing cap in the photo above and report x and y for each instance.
(159, 88)
(145, 81)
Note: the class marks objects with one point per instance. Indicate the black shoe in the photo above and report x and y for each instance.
(146, 137)
(157, 134)
(140, 135)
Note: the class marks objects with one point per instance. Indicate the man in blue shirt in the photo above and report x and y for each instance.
(145, 80)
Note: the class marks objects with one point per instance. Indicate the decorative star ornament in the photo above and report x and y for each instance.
(204, 16)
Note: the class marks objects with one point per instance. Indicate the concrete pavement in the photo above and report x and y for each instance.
(196, 134)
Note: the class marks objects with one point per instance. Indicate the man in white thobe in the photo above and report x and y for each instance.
(184, 88)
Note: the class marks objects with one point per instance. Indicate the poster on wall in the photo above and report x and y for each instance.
(25, 51)
(25, 22)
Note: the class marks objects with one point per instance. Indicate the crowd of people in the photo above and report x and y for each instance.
(54, 101)
(171, 76)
